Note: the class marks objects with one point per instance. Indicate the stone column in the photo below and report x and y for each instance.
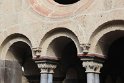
(47, 69)
(97, 78)
(92, 70)
(92, 63)
(46, 64)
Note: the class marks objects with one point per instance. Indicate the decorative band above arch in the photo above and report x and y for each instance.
(54, 9)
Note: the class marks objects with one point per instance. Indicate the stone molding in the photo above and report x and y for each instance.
(92, 56)
(92, 67)
(85, 47)
(46, 66)
(37, 52)
(38, 57)
(45, 63)
(93, 64)
(52, 9)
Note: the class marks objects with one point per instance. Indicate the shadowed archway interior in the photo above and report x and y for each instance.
(113, 69)
(65, 49)
(73, 66)
(20, 54)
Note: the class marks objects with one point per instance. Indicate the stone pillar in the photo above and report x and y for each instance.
(50, 78)
(92, 63)
(43, 78)
(97, 78)
(46, 64)
(92, 70)
(47, 69)
(85, 48)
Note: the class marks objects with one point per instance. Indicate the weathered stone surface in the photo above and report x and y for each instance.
(13, 72)
(2, 71)
(40, 24)
(25, 18)
(10, 72)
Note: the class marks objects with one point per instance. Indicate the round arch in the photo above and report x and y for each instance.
(107, 40)
(16, 50)
(113, 69)
(62, 47)
(57, 45)
(56, 33)
(108, 29)
(10, 40)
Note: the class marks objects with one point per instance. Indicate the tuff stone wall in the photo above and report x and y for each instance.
(38, 22)
(19, 17)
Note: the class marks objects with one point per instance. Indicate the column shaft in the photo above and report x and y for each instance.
(50, 78)
(90, 78)
(97, 79)
(44, 78)
(92, 70)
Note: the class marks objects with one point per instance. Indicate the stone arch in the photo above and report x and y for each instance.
(13, 38)
(56, 33)
(104, 33)
(16, 50)
(57, 45)
(62, 44)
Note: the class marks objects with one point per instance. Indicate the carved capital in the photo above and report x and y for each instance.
(85, 47)
(37, 52)
(46, 66)
(92, 67)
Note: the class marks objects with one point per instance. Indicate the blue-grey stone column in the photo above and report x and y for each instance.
(92, 70)
(90, 78)
(50, 78)
(47, 70)
(44, 78)
(97, 79)
(46, 64)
